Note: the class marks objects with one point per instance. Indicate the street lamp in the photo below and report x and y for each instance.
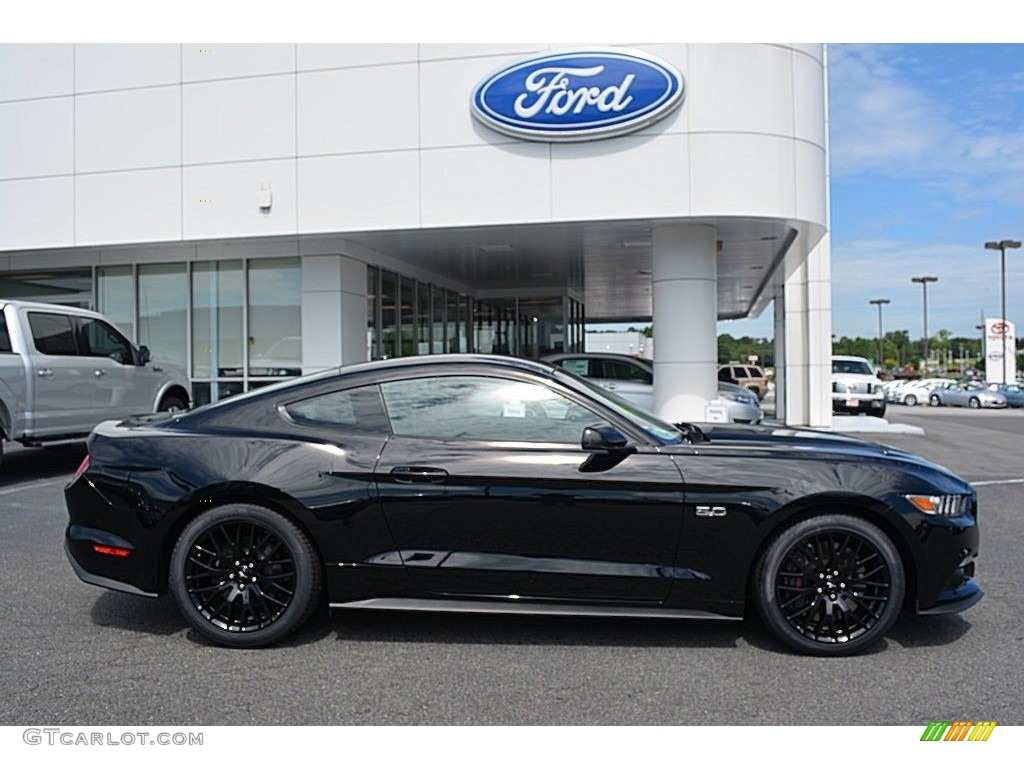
(924, 287)
(879, 302)
(1001, 246)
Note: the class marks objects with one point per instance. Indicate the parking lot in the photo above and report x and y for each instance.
(76, 655)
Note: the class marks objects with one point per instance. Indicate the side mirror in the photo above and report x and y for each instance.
(144, 355)
(603, 437)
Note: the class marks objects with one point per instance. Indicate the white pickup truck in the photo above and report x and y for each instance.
(856, 387)
(64, 370)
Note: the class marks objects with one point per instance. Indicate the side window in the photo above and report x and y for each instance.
(620, 370)
(98, 339)
(483, 408)
(578, 366)
(5, 337)
(52, 334)
(354, 409)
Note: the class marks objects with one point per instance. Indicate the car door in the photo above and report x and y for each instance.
(63, 387)
(122, 387)
(487, 491)
(629, 380)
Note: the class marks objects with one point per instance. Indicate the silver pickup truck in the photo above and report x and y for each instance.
(64, 370)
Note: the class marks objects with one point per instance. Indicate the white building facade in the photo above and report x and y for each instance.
(256, 211)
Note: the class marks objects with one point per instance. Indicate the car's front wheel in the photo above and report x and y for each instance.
(244, 575)
(830, 585)
(974, 402)
(910, 400)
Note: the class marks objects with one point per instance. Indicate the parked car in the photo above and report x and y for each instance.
(633, 379)
(483, 483)
(63, 370)
(1013, 393)
(914, 392)
(856, 387)
(971, 395)
(752, 377)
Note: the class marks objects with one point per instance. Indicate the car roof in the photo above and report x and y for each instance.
(18, 304)
(602, 355)
(397, 363)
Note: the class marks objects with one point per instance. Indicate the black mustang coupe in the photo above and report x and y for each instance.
(491, 484)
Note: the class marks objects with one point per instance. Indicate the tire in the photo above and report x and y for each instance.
(974, 403)
(934, 401)
(244, 576)
(910, 400)
(879, 412)
(172, 404)
(830, 585)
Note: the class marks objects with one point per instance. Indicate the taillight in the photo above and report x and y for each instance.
(81, 468)
(103, 549)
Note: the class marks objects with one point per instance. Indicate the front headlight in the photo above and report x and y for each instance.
(951, 505)
(736, 397)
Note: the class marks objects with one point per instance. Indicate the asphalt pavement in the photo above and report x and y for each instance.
(78, 655)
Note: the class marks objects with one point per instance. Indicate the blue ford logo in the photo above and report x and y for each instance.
(578, 95)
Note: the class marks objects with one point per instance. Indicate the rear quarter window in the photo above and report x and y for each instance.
(357, 409)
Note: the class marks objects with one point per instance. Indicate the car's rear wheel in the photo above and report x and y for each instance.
(934, 400)
(831, 585)
(910, 400)
(245, 576)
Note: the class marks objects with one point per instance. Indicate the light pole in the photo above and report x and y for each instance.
(1001, 246)
(879, 302)
(924, 287)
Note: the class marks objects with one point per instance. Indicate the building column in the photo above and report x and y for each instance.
(779, 325)
(333, 312)
(685, 316)
(806, 392)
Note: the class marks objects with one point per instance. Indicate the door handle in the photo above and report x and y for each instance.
(45, 373)
(419, 475)
(99, 374)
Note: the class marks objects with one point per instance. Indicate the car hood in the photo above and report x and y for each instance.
(800, 440)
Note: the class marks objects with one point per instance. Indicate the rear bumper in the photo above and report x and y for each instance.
(101, 581)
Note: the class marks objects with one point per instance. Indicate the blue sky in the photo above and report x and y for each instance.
(927, 164)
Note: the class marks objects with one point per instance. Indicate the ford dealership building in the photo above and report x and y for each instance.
(256, 211)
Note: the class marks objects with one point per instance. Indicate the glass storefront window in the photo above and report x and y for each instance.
(163, 304)
(408, 316)
(437, 320)
(217, 334)
(275, 317)
(372, 313)
(115, 294)
(388, 313)
(423, 326)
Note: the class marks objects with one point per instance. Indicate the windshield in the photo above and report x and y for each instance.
(852, 366)
(661, 431)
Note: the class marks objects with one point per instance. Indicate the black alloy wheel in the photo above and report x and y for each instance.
(245, 576)
(830, 585)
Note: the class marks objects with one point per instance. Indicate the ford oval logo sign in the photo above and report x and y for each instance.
(578, 95)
